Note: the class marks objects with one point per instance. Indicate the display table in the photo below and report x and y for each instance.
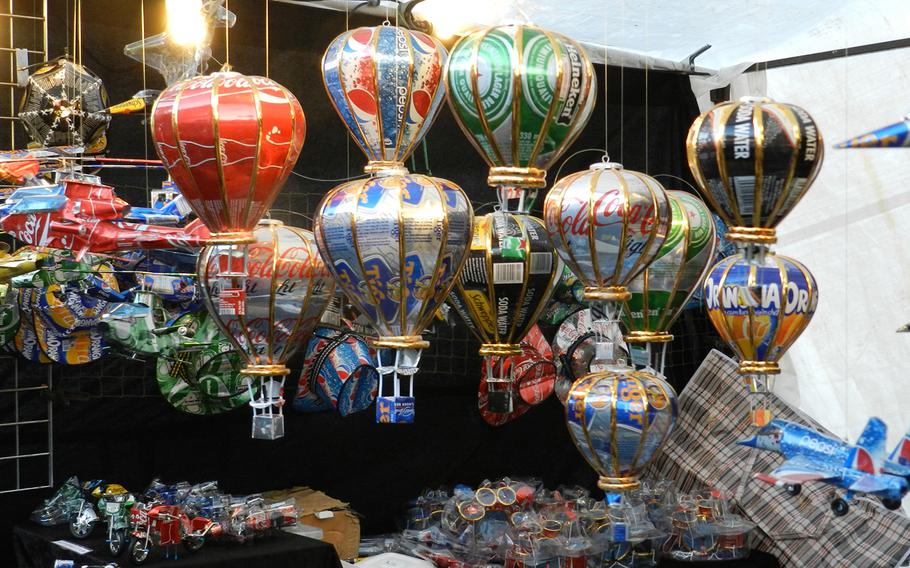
(757, 559)
(34, 546)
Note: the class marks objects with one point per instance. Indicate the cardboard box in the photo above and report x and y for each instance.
(340, 526)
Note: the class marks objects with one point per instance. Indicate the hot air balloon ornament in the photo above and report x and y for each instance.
(229, 142)
(386, 84)
(608, 224)
(618, 420)
(662, 290)
(760, 310)
(521, 95)
(395, 243)
(267, 297)
(753, 160)
(507, 281)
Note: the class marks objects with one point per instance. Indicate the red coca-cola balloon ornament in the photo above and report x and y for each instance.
(229, 141)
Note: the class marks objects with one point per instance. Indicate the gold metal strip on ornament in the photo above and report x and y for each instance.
(231, 238)
(488, 262)
(811, 291)
(607, 293)
(407, 105)
(623, 237)
(520, 220)
(255, 173)
(519, 177)
(645, 424)
(443, 293)
(500, 349)
(727, 330)
(430, 296)
(750, 284)
(720, 127)
(311, 282)
(562, 188)
(265, 370)
(758, 190)
(757, 235)
(648, 337)
(364, 147)
(614, 457)
(706, 269)
(614, 484)
(584, 385)
(380, 315)
(551, 112)
(666, 317)
(517, 92)
(175, 129)
(651, 237)
(216, 81)
(797, 133)
(481, 114)
(574, 131)
(401, 342)
(442, 79)
(695, 167)
(758, 368)
(273, 291)
(402, 268)
(646, 286)
(454, 109)
(377, 166)
(241, 318)
(374, 43)
(784, 284)
(555, 275)
(290, 160)
(592, 241)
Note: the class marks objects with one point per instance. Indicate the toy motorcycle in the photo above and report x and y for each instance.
(62, 507)
(157, 525)
(115, 507)
(85, 518)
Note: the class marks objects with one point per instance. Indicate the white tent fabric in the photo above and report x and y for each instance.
(851, 231)
(663, 33)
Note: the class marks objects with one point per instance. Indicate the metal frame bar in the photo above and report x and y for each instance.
(833, 54)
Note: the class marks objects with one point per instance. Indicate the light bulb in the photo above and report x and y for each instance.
(185, 22)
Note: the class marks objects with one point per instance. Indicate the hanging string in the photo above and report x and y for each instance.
(606, 98)
(227, 37)
(622, 94)
(267, 39)
(647, 50)
(145, 110)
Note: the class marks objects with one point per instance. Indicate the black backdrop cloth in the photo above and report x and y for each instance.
(376, 468)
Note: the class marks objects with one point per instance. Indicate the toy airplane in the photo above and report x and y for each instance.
(82, 217)
(815, 457)
(895, 135)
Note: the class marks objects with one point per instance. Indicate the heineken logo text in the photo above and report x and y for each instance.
(568, 110)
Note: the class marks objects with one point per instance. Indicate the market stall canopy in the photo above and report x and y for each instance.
(663, 34)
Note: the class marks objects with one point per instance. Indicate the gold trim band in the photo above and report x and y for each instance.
(648, 337)
(232, 238)
(618, 483)
(758, 368)
(376, 166)
(503, 349)
(758, 235)
(401, 342)
(265, 370)
(520, 177)
(608, 294)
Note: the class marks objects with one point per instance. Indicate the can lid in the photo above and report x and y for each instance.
(605, 166)
(753, 99)
(270, 223)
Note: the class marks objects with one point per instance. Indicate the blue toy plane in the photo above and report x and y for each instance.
(815, 457)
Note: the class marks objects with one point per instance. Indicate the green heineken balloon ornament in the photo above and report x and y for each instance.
(521, 95)
(661, 291)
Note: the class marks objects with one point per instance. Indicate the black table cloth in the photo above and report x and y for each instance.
(35, 549)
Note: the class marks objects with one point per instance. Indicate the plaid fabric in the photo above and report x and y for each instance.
(801, 531)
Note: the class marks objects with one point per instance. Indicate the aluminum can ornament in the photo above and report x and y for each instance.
(395, 243)
(229, 141)
(753, 160)
(386, 84)
(506, 283)
(608, 224)
(521, 95)
(759, 308)
(619, 420)
(663, 289)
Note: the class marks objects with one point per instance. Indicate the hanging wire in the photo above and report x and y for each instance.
(606, 98)
(601, 150)
(267, 38)
(622, 94)
(329, 180)
(648, 49)
(227, 36)
(145, 110)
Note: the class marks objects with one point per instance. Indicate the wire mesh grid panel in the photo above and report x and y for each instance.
(26, 426)
(23, 26)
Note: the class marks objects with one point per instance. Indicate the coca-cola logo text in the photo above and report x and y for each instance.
(609, 210)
